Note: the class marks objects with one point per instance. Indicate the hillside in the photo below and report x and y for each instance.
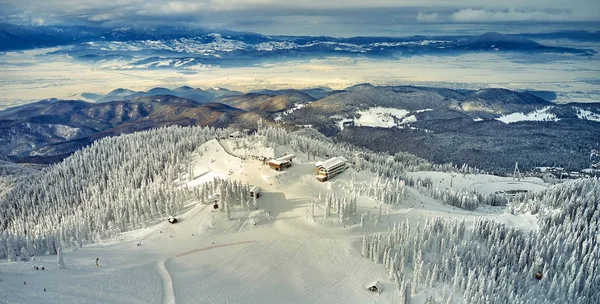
(42, 131)
(301, 233)
(267, 103)
(196, 94)
(488, 128)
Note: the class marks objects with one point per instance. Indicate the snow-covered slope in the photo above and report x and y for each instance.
(298, 243)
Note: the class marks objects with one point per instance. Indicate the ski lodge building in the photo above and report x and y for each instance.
(281, 163)
(330, 168)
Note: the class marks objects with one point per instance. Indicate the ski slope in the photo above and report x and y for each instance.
(278, 253)
(482, 183)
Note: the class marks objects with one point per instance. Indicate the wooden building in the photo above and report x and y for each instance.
(282, 163)
(330, 168)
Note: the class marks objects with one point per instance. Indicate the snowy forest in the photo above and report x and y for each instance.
(390, 169)
(133, 181)
(129, 182)
(491, 263)
(115, 185)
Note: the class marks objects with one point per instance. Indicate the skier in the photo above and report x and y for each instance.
(97, 261)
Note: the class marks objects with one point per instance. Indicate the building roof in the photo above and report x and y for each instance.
(376, 284)
(286, 157)
(332, 162)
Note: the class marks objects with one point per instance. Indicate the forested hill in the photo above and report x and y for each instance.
(125, 183)
(489, 128)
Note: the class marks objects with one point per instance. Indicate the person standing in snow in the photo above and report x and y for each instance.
(97, 262)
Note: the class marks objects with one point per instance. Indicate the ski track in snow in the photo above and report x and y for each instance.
(168, 296)
(168, 290)
(213, 247)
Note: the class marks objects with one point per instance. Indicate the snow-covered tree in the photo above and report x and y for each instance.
(486, 261)
(365, 247)
(24, 256)
(61, 262)
(10, 250)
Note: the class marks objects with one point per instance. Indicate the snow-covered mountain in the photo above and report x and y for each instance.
(183, 48)
(488, 128)
(96, 224)
(195, 94)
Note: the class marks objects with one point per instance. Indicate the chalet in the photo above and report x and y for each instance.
(282, 163)
(330, 168)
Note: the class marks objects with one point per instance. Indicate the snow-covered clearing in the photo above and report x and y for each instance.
(537, 115)
(379, 117)
(297, 106)
(278, 253)
(382, 117)
(587, 115)
(482, 183)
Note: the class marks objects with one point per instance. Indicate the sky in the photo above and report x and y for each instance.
(304, 17)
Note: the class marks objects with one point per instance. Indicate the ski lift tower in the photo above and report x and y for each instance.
(517, 173)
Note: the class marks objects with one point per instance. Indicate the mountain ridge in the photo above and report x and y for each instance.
(89, 43)
(442, 125)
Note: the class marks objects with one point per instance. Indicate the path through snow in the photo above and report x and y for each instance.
(168, 296)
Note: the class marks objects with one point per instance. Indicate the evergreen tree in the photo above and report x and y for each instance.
(365, 247)
(61, 262)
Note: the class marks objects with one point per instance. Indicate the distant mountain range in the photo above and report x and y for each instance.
(183, 48)
(50, 130)
(198, 95)
(489, 128)
(215, 94)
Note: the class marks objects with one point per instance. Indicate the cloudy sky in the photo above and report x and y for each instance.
(302, 17)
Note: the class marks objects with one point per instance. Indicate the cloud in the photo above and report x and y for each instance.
(303, 17)
(482, 15)
(424, 17)
(38, 21)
